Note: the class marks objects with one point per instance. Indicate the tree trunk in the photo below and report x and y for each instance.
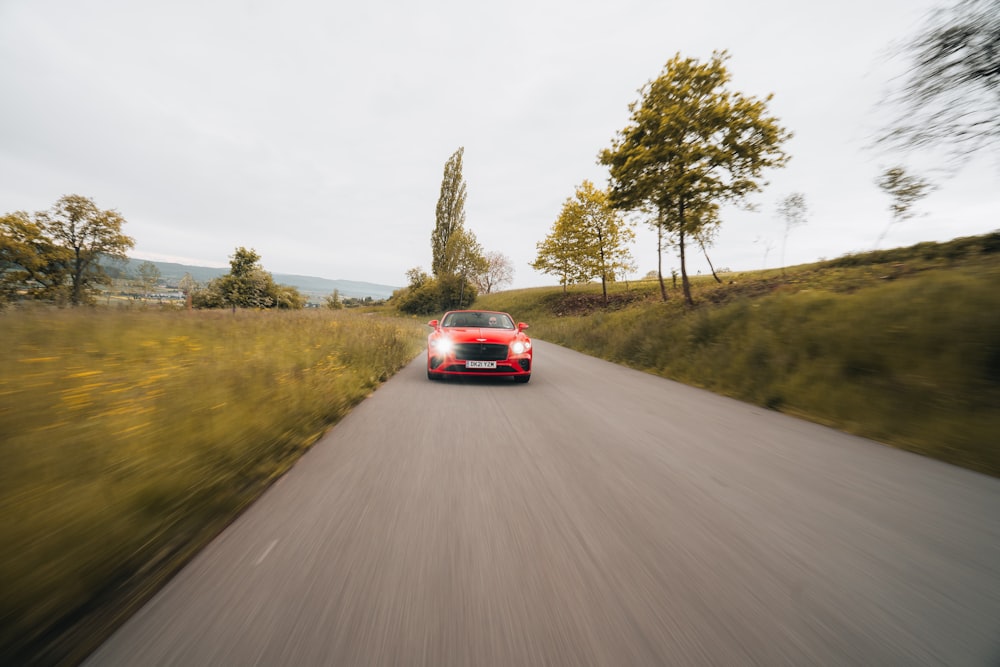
(659, 254)
(702, 244)
(685, 283)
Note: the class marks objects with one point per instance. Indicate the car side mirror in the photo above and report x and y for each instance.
(521, 326)
(433, 323)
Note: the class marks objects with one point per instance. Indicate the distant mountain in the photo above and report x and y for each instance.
(313, 287)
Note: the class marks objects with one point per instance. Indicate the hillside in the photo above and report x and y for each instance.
(901, 346)
(314, 287)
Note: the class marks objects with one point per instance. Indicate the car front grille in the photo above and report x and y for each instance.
(481, 351)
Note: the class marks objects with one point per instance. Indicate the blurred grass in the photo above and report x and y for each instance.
(901, 346)
(129, 437)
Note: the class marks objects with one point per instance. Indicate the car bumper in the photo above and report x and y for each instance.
(507, 367)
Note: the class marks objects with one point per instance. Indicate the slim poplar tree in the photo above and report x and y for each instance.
(450, 216)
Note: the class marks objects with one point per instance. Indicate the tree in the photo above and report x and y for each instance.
(92, 236)
(555, 254)
(497, 271)
(450, 215)
(588, 240)
(31, 264)
(905, 190)
(425, 294)
(247, 285)
(188, 286)
(793, 210)
(466, 259)
(417, 276)
(63, 250)
(691, 146)
(333, 301)
(950, 96)
(149, 275)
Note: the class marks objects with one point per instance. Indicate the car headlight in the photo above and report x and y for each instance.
(441, 345)
(519, 347)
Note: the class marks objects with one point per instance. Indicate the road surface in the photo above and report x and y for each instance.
(595, 516)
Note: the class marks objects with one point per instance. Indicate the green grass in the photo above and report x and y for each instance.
(902, 346)
(128, 438)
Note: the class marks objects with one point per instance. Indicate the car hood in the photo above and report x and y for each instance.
(476, 335)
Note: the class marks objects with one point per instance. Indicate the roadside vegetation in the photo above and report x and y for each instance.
(902, 345)
(130, 437)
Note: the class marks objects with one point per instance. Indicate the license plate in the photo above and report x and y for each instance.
(480, 364)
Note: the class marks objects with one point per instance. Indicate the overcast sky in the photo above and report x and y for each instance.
(316, 132)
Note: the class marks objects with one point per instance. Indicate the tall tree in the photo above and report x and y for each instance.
(65, 248)
(793, 210)
(450, 215)
(588, 240)
(92, 236)
(691, 145)
(950, 96)
(905, 190)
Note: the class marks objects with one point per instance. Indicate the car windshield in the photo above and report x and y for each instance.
(478, 319)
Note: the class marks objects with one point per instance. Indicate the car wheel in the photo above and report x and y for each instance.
(432, 376)
(522, 379)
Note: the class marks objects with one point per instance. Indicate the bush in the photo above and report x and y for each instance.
(435, 295)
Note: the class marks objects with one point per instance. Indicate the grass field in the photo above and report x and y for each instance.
(130, 437)
(902, 346)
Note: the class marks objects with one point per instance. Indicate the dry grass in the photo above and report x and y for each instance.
(130, 437)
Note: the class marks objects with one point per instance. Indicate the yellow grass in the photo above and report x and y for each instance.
(127, 438)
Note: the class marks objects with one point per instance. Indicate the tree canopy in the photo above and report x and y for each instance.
(950, 96)
(589, 240)
(60, 254)
(690, 146)
(247, 285)
(497, 271)
(906, 190)
(450, 217)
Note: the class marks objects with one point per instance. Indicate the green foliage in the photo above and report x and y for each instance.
(949, 95)
(434, 295)
(905, 190)
(333, 301)
(119, 458)
(692, 145)
(149, 275)
(450, 217)
(247, 285)
(59, 255)
(901, 346)
(588, 240)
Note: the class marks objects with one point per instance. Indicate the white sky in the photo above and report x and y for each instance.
(317, 132)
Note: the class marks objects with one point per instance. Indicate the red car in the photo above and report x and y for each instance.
(478, 342)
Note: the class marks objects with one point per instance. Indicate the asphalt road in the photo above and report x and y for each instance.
(596, 516)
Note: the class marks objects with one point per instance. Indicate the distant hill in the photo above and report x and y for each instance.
(311, 286)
